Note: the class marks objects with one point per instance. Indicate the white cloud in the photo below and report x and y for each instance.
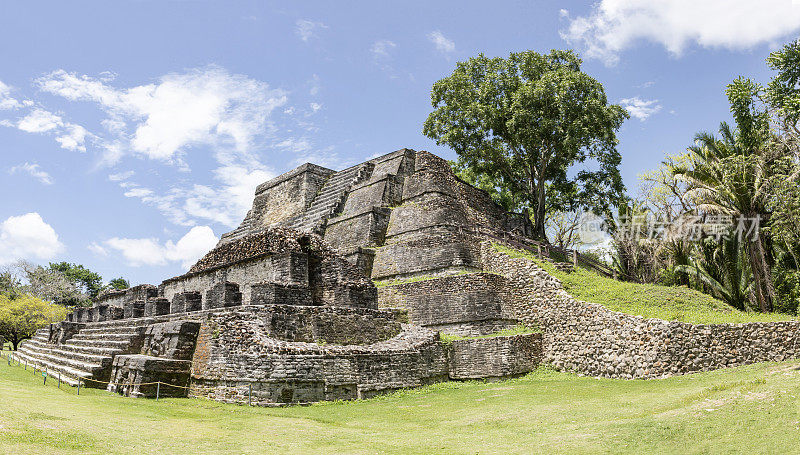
(69, 135)
(27, 237)
(307, 29)
(40, 121)
(441, 42)
(206, 106)
(148, 251)
(35, 171)
(97, 249)
(315, 85)
(73, 138)
(120, 176)
(639, 108)
(381, 49)
(226, 203)
(615, 25)
(6, 101)
(205, 111)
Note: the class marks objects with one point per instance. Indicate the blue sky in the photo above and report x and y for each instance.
(132, 134)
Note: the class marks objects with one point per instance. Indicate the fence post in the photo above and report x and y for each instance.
(59, 380)
(250, 394)
(575, 258)
(615, 274)
(158, 389)
(79, 385)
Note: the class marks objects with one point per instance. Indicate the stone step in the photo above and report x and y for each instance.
(36, 349)
(55, 361)
(109, 352)
(68, 375)
(101, 331)
(137, 322)
(122, 345)
(328, 202)
(42, 338)
(102, 336)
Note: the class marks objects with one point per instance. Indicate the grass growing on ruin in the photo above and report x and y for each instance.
(418, 278)
(519, 329)
(744, 410)
(672, 303)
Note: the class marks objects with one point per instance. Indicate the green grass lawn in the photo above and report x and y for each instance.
(672, 303)
(744, 410)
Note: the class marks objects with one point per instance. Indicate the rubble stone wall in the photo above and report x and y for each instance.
(590, 339)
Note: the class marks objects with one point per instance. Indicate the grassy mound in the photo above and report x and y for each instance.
(672, 303)
(744, 410)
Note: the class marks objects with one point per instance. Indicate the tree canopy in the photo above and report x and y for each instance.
(87, 281)
(21, 317)
(523, 122)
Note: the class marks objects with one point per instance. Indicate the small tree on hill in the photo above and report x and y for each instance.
(524, 122)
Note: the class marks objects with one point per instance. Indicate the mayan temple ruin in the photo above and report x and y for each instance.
(339, 284)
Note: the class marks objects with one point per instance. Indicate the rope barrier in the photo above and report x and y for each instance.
(11, 357)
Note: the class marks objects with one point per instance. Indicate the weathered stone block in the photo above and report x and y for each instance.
(133, 309)
(115, 313)
(63, 331)
(290, 267)
(135, 375)
(495, 357)
(185, 302)
(173, 340)
(222, 295)
(282, 294)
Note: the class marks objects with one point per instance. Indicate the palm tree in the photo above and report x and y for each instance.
(723, 268)
(731, 175)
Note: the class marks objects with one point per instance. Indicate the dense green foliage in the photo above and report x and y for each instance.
(748, 174)
(84, 279)
(744, 410)
(520, 124)
(118, 283)
(23, 315)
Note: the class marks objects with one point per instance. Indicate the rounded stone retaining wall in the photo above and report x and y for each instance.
(237, 359)
(591, 339)
(495, 357)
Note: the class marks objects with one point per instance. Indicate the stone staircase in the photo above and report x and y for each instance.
(88, 354)
(330, 198)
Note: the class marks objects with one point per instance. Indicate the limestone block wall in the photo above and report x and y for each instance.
(284, 268)
(464, 305)
(281, 199)
(590, 339)
(495, 357)
(237, 352)
(429, 233)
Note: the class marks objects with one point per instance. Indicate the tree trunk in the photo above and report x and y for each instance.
(762, 276)
(539, 228)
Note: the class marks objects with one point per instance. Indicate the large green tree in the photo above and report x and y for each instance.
(524, 122)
